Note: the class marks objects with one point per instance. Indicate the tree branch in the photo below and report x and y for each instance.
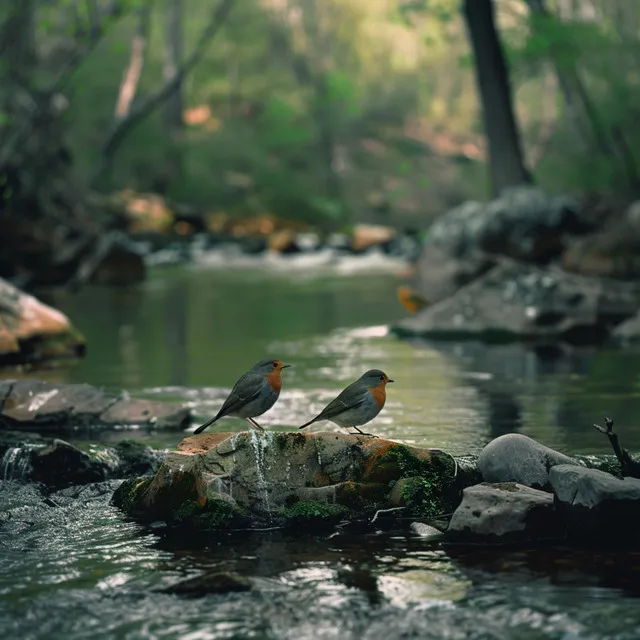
(628, 466)
(123, 127)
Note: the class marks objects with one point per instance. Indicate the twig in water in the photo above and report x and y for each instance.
(379, 511)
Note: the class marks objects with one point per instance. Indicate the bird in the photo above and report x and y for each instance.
(411, 300)
(253, 394)
(358, 404)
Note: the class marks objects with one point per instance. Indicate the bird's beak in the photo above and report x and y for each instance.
(390, 380)
(285, 366)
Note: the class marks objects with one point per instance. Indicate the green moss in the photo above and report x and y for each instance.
(313, 510)
(128, 494)
(421, 497)
(428, 486)
(215, 514)
(289, 440)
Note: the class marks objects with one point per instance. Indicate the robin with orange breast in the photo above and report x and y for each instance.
(358, 404)
(254, 394)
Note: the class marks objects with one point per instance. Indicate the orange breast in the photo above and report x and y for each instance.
(379, 394)
(275, 381)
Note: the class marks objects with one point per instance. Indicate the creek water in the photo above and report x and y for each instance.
(71, 566)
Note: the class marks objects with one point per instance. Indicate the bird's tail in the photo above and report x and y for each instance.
(202, 427)
(306, 424)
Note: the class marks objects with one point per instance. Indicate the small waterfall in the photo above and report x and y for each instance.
(260, 442)
(16, 463)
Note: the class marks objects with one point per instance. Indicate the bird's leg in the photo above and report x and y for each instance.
(254, 424)
(362, 433)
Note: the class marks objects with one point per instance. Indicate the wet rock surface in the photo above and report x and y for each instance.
(520, 459)
(35, 405)
(597, 505)
(505, 512)
(56, 464)
(519, 301)
(31, 331)
(217, 479)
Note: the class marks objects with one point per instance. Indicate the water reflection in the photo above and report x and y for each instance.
(187, 334)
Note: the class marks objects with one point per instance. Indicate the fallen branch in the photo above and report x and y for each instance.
(379, 511)
(628, 466)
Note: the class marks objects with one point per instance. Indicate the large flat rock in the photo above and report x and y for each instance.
(514, 301)
(35, 405)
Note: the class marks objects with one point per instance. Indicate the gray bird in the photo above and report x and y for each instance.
(358, 404)
(254, 394)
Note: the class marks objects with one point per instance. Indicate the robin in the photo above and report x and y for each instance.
(359, 403)
(254, 394)
(411, 300)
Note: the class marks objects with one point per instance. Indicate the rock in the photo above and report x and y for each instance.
(282, 241)
(61, 465)
(32, 404)
(506, 512)
(213, 582)
(517, 458)
(597, 505)
(514, 301)
(628, 331)
(28, 457)
(523, 223)
(216, 479)
(365, 236)
(136, 459)
(31, 331)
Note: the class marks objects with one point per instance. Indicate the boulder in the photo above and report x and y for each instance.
(31, 331)
(505, 512)
(524, 223)
(216, 479)
(517, 458)
(56, 464)
(596, 505)
(212, 582)
(37, 405)
(515, 301)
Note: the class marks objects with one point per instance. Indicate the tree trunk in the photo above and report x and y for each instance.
(505, 151)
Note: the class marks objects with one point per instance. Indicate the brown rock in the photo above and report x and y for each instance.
(368, 235)
(31, 330)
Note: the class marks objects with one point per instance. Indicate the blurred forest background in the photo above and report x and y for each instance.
(322, 111)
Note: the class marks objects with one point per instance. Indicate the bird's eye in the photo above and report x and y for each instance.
(275, 365)
(381, 377)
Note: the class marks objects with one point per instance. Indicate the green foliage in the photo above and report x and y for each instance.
(215, 514)
(313, 510)
(422, 497)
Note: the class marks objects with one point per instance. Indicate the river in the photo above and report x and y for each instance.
(74, 567)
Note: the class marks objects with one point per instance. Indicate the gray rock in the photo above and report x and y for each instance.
(517, 458)
(506, 512)
(36, 405)
(597, 505)
(517, 301)
(628, 331)
(523, 223)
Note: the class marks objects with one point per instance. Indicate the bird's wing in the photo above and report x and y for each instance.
(353, 396)
(245, 390)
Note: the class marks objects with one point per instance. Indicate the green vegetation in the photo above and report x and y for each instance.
(215, 514)
(127, 495)
(312, 511)
(322, 112)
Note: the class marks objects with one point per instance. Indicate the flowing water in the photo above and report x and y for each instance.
(72, 567)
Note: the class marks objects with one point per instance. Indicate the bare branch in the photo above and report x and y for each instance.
(628, 466)
(123, 127)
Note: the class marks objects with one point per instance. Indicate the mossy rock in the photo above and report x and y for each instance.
(215, 514)
(128, 495)
(313, 512)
